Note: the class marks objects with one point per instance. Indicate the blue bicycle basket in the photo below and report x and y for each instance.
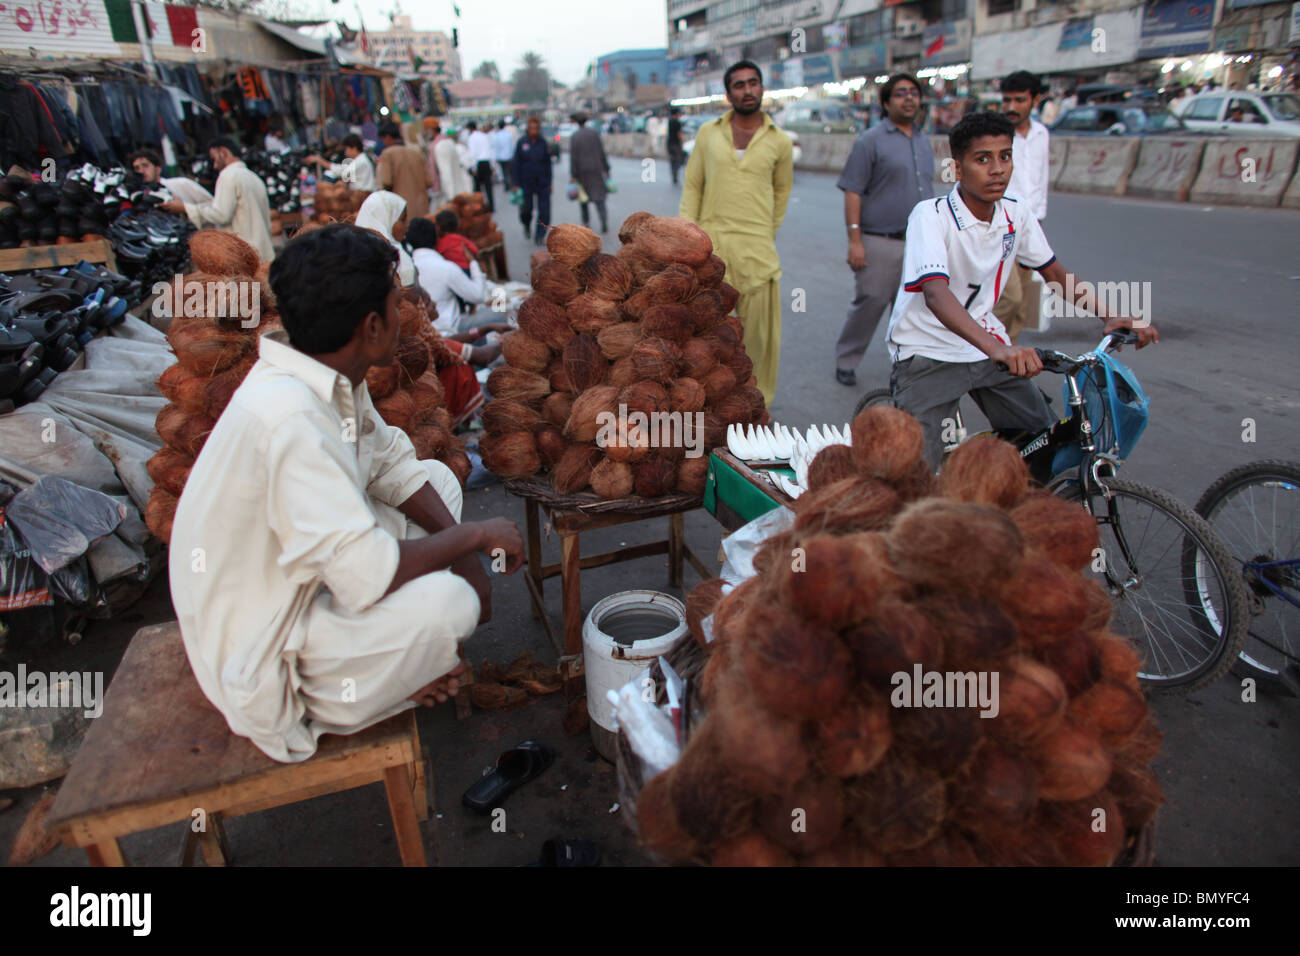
(1115, 405)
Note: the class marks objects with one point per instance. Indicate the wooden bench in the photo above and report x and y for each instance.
(160, 753)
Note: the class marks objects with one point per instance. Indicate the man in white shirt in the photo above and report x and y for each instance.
(356, 170)
(448, 285)
(239, 203)
(480, 162)
(1021, 92)
(503, 151)
(318, 570)
(149, 165)
(944, 337)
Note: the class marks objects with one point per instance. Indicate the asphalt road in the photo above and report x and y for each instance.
(1224, 290)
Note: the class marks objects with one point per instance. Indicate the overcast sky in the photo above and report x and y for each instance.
(569, 34)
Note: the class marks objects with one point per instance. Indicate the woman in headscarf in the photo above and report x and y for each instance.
(385, 213)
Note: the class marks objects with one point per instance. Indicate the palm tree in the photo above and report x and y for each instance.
(487, 70)
(532, 81)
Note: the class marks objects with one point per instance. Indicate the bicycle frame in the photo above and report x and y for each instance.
(1257, 570)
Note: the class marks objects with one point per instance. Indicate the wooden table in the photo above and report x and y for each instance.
(570, 515)
(52, 257)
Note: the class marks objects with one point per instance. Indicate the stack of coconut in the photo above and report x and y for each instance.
(475, 219)
(335, 201)
(215, 352)
(827, 742)
(642, 333)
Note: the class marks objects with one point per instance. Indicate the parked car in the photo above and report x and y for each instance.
(1119, 119)
(689, 137)
(1243, 113)
(551, 134)
(818, 116)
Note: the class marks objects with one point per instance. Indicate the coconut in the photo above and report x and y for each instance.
(847, 853)
(572, 472)
(545, 321)
(170, 469)
(998, 785)
(627, 232)
(1136, 790)
(558, 376)
(941, 738)
(523, 351)
(644, 397)
(655, 360)
(642, 266)
(934, 542)
(397, 410)
(676, 283)
(700, 604)
(975, 630)
(918, 483)
(184, 431)
(730, 296)
(668, 321)
(510, 456)
(741, 405)
(715, 431)
(1072, 763)
(710, 273)
(1144, 747)
(551, 444)
(518, 385)
(585, 366)
(606, 277)
(223, 253)
(220, 389)
(414, 358)
(758, 748)
(719, 382)
(654, 477)
(207, 349)
(794, 667)
(711, 806)
(672, 240)
(589, 314)
(723, 340)
(951, 847)
(623, 372)
(698, 358)
(1084, 837)
(833, 463)
(852, 740)
(1110, 710)
(750, 849)
(985, 471)
(430, 441)
(1065, 531)
(557, 407)
(572, 245)
(410, 319)
(428, 396)
(182, 387)
(656, 821)
(846, 506)
(886, 442)
(1099, 605)
(806, 818)
(503, 415)
(1119, 660)
(693, 475)
(1045, 599)
(611, 479)
(555, 282)
(627, 443)
(1075, 660)
(616, 341)
(705, 309)
(381, 380)
(895, 638)
(899, 805)
(832, 581)
(686, 395)
(635, 306)
(741, 365)
(160, 512)
(1032, 701)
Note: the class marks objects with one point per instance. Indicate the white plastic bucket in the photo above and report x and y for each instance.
(621, 638)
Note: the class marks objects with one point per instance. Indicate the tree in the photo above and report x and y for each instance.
(532, 81)
(487, 70)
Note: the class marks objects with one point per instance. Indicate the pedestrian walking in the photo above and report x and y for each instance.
(532, 174)
(404, 170)
(1029, 176)
(449, 177)
(503, 151)
(480, 158)
(239, 202)
(889, 170)
(676, 155)
(737, 186)
(589, 168)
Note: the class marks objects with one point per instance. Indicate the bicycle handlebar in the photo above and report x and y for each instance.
(1062, 364)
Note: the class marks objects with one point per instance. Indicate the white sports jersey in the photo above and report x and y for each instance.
(944, 239)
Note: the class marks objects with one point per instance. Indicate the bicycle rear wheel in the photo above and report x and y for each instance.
(1256, 510)
(1177, 593)
(877, 396)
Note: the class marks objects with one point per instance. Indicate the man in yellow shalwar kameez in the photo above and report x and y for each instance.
(737, 187)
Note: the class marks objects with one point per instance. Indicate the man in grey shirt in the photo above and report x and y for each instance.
(890, 170)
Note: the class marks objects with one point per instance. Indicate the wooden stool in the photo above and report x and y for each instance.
(161, 752)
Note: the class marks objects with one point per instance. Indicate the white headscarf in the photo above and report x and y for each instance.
(380, 212)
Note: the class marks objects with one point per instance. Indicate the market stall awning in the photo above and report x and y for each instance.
(303, 42)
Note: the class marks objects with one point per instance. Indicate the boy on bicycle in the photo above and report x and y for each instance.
(960, 248)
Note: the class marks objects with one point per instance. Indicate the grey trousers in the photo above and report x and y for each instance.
(874, 287)
(930, 391)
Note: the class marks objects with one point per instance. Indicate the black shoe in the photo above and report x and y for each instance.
(846, 376)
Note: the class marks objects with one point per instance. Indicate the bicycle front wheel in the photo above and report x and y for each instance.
(1256, 510)
(877, 396)
(1177, 594)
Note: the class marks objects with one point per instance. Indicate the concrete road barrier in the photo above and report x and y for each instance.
(1166, 167)
(837, 151)
(1098, 164)
(1058, 150)
(1245, 172)
(942, 154)
(1291, 198)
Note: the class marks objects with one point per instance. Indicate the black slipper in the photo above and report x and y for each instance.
(514, 769)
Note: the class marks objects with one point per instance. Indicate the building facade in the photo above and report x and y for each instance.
(398, 47)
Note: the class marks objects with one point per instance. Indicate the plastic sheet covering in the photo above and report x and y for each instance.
(740, 546)
(60, 520)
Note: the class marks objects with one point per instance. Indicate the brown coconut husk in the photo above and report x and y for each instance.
(711, 272)
(944, 739)
(611, 479)
(700, 604)
(1046, 600)
(730, 296)
(669, 321)
(654, 477)
(381, 380)
(1032, 700)
(623, 372)
(160, 512)
(741, 365)
(834, 581)
(976, 632)
(207, 349)
(794, 667)
(1075, 660)
(572, 245)
(170, 469)
(539, 258)
(223, 254)
(558, 376)
(686, 395)
(555, 282)
(951, 847)
(545, 321)
(833, 463)
(998, 785)
(718, 383)
(459, 464)
(628, 443)
(414, 358)
(572, 472)
(1062, 530)
(698, 359)
(583, 363)
(705, 309)
(397, 410)
(762, 751)
(523, 351)
(1072, 763)
(557, 407)
(430, 441)
(628, 230)
(589, 413)
(510, 456)
(606, 277)
(184, 431)
(645, 397)
(590, 314)
(854, 738)
(673, 240)
(635, 305)
(657, 825)
(899, 805)
(806, 818)
(933, 540)
(1137, 791)
(1110, 710)
(551, 444)
(1144, 746)
(886, 442)
(502, 415)
(1083, 836)
(220, 389)
(750, 849)
(182, 387)
(846, 506)
(985, 471)
(518, 385)
(693, 475)
(428, 396)
(724, 341)
(675, 283)
(1120, 661)
(897, 637)
(711, 805)
(616, 341)
(655, 360)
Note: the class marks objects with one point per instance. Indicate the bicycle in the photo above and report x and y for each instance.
(1176, 589)
(1255, 508)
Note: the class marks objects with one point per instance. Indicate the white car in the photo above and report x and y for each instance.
(1243, 113)
(794, 139)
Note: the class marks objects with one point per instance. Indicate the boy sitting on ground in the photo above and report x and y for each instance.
(318, 570)
(452, 246)
(964, 245)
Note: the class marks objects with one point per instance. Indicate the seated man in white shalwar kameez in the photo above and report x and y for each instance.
(320, 575)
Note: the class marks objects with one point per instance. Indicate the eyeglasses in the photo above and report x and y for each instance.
(906, 92)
